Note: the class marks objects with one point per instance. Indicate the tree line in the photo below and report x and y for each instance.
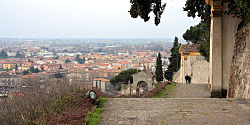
(4, 54)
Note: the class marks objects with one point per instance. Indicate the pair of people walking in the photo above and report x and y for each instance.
(188, 79)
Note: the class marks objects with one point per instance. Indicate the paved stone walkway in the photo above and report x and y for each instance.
(186, 105)
(189, 91)
(167, 111)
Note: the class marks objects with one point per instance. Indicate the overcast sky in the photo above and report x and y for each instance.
(87, 19)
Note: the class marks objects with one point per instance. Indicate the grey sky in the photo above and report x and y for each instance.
(87, 19)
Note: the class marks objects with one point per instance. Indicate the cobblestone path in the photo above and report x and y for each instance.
(189, 91)
(173, 111)
(186, 105)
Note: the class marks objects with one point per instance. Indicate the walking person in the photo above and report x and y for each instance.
(187, 79)
(190, 78)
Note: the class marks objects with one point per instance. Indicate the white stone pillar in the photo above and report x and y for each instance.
(216, 58)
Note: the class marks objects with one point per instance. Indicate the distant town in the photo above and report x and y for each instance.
(25, 61)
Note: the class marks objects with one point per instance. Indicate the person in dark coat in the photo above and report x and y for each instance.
(187, 79)
(190, 78)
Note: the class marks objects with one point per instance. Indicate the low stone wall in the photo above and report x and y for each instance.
(239, 83)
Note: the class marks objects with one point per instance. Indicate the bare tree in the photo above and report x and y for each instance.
(31, 103)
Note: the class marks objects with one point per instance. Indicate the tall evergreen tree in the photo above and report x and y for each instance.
(83, 60)
(159, 72)
(16, 67)
(60, 67)
(20, 54)
(32, 69)
(3, 54)
(77, 56)
(67, 61)
(174, 59)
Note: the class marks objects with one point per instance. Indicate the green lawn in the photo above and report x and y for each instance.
(164, 93)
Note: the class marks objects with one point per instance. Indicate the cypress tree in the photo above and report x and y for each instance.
(60, 67)
(3, 54)
(67, 61)
(158, 72)
(77, 56)
(174, 59)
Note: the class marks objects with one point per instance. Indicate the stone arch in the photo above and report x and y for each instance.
(142, 87)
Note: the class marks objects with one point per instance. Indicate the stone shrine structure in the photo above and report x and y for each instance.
(142, 82)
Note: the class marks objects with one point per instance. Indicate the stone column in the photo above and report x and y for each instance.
(216, 49)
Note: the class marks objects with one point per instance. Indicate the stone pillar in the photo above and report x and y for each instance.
(216, 49)
(229, 26)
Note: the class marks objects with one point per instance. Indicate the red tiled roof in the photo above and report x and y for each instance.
(28, 76)
(101, 79)
(187, 48)
(104, 65)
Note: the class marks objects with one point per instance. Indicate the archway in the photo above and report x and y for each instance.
(141, 88)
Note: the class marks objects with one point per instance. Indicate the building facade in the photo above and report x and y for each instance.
(192, 64)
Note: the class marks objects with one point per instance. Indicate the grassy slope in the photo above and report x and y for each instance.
(94, 117)
(164, 93)
(69, 109)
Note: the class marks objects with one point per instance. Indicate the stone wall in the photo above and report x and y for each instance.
(125, 89)
(200, 72)
(177, 78)
(188, 64)
(196, 66)
(239, 83)
(110, 89)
